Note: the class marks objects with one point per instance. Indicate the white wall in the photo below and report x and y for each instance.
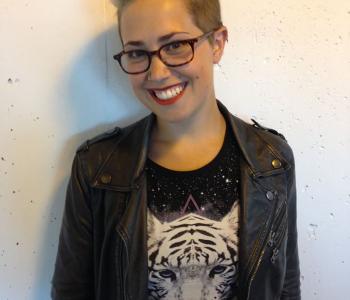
(287, 65)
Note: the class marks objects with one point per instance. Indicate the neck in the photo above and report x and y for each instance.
(206, 124)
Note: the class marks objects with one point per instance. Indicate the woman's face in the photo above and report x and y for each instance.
(146, 22)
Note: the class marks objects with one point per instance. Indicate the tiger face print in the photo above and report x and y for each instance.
(193, 257)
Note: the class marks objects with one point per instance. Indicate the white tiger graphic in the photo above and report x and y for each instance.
(193, 257)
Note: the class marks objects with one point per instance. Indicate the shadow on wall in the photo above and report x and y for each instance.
(95, 92)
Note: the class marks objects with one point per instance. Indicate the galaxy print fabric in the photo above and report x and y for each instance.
(193, 228)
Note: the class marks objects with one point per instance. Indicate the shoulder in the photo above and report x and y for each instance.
(94, 152)
(107, 139)
(274, 139)
(266, 129)
(256, 139)
(104, 137)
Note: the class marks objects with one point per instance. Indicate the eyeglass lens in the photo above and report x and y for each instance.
(173, 54)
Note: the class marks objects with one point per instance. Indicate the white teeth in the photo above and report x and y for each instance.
(170, 93)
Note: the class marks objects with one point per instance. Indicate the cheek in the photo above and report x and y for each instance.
(136, 84)
(134, 81)
(203, 77)
(137, 79)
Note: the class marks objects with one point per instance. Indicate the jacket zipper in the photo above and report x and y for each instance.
(256, 247)
(277, 241)
(121, 234)
(266, 240)
(273, 240)
(123, 281)
(259, 258)
(277, 223)
(121, 244)
(120, 268)
(255, 271)
(277, 233)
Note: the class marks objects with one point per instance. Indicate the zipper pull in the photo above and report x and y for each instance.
(274, 255)
(271, 241)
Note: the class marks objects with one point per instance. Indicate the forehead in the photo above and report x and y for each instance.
(148, 19)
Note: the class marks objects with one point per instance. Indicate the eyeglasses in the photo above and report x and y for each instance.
(174, 54)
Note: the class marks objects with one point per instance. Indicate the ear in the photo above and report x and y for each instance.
(231, 220)
(153, 224)
(219, 41)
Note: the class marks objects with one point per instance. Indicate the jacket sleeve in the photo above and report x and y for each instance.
(291, 287)
(73, 274)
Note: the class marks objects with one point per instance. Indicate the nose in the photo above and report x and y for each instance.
(158, 71)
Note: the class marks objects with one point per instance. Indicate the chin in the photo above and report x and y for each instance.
(173, 116)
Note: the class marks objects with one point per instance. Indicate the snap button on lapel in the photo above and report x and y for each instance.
(276, 163)
(106, 178)
(270, 195)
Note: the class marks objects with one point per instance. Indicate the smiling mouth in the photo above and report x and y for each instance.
(169, 93)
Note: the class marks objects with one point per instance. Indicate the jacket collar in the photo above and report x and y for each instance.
(125, 165)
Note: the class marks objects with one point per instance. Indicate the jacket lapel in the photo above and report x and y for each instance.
(263, 188)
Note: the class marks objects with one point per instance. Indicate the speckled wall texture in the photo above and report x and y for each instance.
(287, 64)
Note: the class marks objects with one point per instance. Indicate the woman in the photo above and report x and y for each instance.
(190, 202)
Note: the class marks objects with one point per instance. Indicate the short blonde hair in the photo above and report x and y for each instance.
(206, 14)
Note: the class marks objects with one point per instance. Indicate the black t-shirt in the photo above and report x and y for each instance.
(193, 228)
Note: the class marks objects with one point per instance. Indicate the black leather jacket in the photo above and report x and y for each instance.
(102, 250)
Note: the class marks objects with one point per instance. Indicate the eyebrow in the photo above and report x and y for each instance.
(163, 38)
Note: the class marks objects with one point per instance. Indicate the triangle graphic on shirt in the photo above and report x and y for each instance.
(190, 203)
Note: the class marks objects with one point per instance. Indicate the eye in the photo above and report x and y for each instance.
(175, 46)
(217, 270)
(135, 54)
(168, 274)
